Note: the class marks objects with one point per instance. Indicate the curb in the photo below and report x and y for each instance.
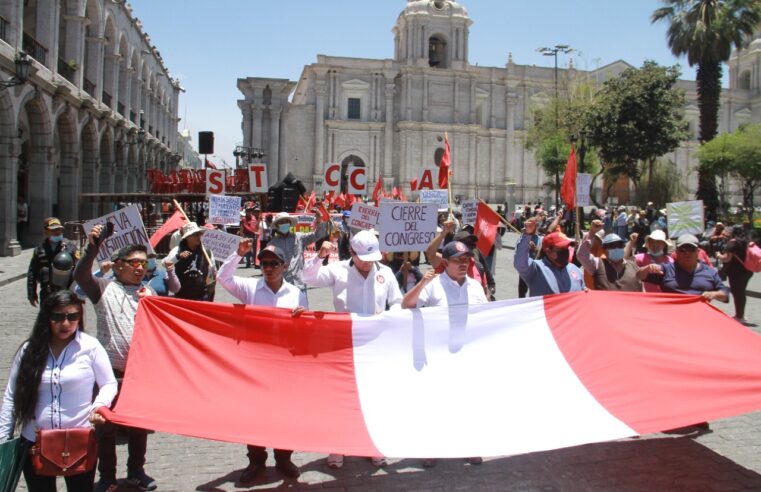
(9, 280)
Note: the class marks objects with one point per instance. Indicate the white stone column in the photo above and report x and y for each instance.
(256, 127)
(388, 137)
(273, 168)
(40, 189)
(425, 96)
(319, 126)
(511, 100)
(112, 86)
(10, 148)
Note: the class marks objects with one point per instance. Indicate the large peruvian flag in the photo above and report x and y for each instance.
(495, 379)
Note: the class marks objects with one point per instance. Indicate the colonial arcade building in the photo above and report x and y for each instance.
(391, 114)
(98, 109)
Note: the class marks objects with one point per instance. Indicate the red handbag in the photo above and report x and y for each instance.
(64, 452)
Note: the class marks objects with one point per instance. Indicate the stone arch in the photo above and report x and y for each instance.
(743, 81)
(35, 164)
(9, 151)
(67, 29)
(90, 168)
(66, 183)
(110, 62)
(93, 50)
(350, 158)
(438, 51)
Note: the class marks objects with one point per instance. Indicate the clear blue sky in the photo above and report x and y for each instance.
(208, 45)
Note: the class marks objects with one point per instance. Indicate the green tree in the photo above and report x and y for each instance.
(706, 31)
(737, 154)
(636, 118)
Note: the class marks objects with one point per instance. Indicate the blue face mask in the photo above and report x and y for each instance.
(284, 228)
(56, 239)
(616, 254)
(151, 263)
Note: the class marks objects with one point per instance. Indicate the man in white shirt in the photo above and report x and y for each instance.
(451, 288)
(270, 290)
(373, 288)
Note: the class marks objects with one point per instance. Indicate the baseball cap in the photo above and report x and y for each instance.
(687, 239)
(556, 240)
(611, 239)
(272, 250)
(365, 246)
(52, 223)
(454, 249)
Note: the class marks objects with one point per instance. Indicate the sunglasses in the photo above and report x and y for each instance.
(270, 264)
(59, 317)
(613, 245)
(687, 249)
(136, 262)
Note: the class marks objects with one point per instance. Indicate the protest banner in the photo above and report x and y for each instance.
(224, 210)
(406, 226)
(439, 197)
(363, 216)
(469, 210)
(357, 180)
(583, 181)
(258, 181)
(685, 218)
(332, 179)
(128, 229)
(215, 181)
(221, 243)
(425, 181)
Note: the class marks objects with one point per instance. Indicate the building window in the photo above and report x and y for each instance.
(355, 108)
(744, 80)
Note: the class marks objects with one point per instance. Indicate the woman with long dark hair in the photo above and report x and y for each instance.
(737, 274)
(51, 383)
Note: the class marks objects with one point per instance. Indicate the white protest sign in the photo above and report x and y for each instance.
(224, 210)
(215, 181)
(332, 179)
(257, 178)
(469, 210)
(220, 243)
(406, 226)
(583, 181)
(128, 229)
(685, 218)
(439, 197)
(357, 180)
(363, 216)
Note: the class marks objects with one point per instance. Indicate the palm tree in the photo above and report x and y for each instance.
(706, 31)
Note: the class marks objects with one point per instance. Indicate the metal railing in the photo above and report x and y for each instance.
(88, 86)
(4, 27)
(34, 49)
(65, 70)
(106, 99)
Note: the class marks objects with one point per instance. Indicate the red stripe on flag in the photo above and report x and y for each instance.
(291, 379)
(656, 372)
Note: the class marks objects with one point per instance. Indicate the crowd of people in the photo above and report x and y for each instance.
(54, 371)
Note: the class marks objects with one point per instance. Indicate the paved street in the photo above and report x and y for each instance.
(727, 458)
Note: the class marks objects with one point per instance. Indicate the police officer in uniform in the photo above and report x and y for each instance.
(52, 264)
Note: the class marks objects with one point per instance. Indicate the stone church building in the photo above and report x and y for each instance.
(390, 114)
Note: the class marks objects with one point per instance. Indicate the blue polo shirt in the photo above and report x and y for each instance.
(680, 281)
(542, 276)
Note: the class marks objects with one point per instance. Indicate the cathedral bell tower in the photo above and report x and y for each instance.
(432, 33)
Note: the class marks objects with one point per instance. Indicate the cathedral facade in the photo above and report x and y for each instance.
(390, 115)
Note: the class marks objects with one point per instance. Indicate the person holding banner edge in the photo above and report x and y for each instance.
(293, 245)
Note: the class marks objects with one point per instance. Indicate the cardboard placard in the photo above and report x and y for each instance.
(583, 181)
(357, 180)
(363, 216)
(224, 210)
(332, 179)
(258, 182)
(128, 229)
(221, 243)
(406, 226)
(215, 181)
(469, 210)
(439, 197)
(685, 218)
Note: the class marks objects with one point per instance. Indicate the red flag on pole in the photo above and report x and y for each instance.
(446, 161)
(485, 228)
(301, 204)
(568, 188)
(176, 221)
(378, 191)
(209, 164)
(413, 184)
(324, 214)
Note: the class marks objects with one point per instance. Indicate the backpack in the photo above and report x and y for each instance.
(753, 258)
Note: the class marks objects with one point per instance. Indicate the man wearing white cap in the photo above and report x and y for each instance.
(360, 285)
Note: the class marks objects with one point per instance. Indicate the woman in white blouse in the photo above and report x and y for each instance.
(51, 383)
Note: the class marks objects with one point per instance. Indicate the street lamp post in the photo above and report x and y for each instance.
(246, 153)
(23, 63)
(565, 49)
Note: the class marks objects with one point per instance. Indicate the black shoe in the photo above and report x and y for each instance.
(141, 480)
(106, 485)
(251, 473)
(288, 469)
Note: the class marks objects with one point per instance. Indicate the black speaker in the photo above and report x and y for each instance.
(290, 199)
(205, 142)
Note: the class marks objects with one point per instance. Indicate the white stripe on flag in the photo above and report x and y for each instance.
(505, 379)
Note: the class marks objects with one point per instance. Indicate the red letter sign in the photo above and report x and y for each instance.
(426, 179)
(257, 178)
(357, 180)
(215, 182)
(332, 180)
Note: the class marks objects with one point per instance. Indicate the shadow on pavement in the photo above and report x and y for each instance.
(659, 463)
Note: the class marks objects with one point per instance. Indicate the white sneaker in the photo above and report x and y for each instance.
(335, 461)
(379, 461)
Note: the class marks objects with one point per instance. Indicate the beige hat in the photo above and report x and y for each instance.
(658, 235)
(189, 229)
(284, 216)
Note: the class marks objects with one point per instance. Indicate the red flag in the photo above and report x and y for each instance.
(176, 221)
(210, 164)
(446, 161)
(402, 197)
(703, 367)
(378, 191)
(301, 204)
(324, 214)
(487, 222)
(568, 188)
(340, 200)
(394, 192)
(413, 184)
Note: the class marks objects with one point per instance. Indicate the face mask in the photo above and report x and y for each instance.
(616, 254)
(562, 257)
(654, 254)
(151, 263)
(56, 239)
(284, 228)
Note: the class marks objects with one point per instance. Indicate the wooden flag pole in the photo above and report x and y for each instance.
(449, 174)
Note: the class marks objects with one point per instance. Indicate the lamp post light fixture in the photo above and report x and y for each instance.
(140, 136)
(247, 154)
(564, 49)
(23, 63)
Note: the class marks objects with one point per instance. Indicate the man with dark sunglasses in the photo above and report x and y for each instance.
(115, 301)
(270, 290)
(612, 271)
(686, 275)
